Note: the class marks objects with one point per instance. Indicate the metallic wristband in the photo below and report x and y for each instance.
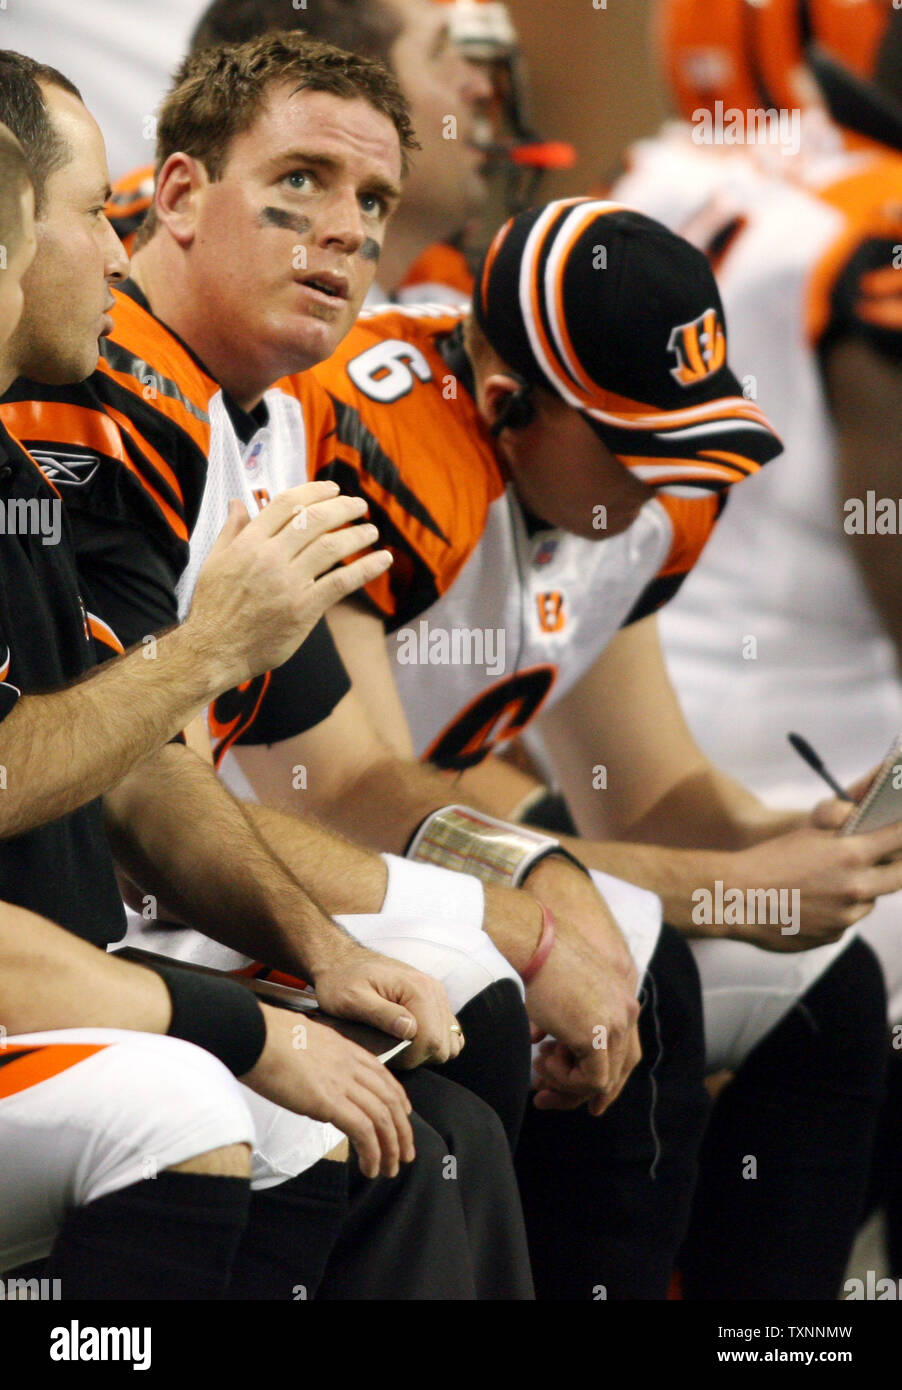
(457, 837)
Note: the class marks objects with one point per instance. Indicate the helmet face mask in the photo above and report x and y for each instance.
(751, 53)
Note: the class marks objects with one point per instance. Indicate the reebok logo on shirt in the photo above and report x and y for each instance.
(67, 470)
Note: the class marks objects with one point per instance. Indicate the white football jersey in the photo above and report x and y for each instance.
(272, 460)
(488, 654)
(774, 630)
(487, 620)
(487, 623)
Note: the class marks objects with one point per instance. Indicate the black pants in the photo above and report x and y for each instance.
(450, 1227)
(457, 1230)
(784, 1166)
(495, 1062)
(607, 1199)
(886, 1176)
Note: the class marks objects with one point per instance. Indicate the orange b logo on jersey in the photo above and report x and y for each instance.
(551, 611)
(700, 347)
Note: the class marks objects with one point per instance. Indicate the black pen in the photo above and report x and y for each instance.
(804, 750)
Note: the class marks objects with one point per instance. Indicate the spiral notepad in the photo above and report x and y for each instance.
(882, 802)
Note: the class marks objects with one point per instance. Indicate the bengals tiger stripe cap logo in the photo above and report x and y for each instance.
(623, 319)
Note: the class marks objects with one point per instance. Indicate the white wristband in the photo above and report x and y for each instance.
(415, 890)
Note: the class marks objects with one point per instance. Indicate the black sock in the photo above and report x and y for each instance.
(169, 1237)
(290, 1234)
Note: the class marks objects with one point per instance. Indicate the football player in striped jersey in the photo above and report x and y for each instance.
(419, 41)
(520, 462)
(57, 773)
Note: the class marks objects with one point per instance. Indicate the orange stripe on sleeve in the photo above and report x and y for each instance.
(198, 430)
(163, 468)
(65, 423)
(868, 202)
(7, 420)
(693, 521)
(59, 422)
(23, 1067)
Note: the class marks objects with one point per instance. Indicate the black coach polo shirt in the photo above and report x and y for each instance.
(63, 870)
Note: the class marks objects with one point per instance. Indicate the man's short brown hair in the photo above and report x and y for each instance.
(15, 177)
(24, 111)
(219, 92)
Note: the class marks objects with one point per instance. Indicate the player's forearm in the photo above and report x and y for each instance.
(383, 805)
(709, 811)
(346, 878)
(52, 979)
(183, 838)
(497, 784)
(674, 874)
(514, 921)
(62, 750)
(340, 875)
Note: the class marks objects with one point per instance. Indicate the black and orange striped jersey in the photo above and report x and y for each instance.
(469, 564)
(424, 462)
(408, 436)
(63, 870)
(146, 454)
(127, 450)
